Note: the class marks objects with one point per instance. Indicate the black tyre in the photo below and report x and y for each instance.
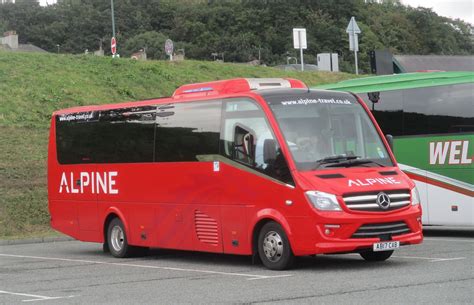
(117, 239)
(274, 248)
(105, 247)
(372, 256)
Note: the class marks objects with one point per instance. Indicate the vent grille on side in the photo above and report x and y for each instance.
(374, 230)
(206, 228)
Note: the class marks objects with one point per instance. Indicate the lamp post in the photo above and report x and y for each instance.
(113, 25)
(58, 45)
(113, 17)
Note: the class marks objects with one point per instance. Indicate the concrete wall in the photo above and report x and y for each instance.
(11, 40)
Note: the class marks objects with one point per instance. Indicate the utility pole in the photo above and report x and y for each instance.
(113, 17)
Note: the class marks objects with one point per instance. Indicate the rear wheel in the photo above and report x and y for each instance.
(117, 239)
(372, 256)
(274, 248)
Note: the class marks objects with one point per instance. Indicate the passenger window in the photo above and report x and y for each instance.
(123, 135)
(248, 139)
(388, 111)
(184, 131)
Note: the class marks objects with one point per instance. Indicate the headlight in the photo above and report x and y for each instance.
(415, 196)
(323, 201)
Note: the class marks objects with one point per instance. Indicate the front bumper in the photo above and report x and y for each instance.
(333, 232)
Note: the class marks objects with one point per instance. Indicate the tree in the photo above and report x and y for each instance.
(153, 42)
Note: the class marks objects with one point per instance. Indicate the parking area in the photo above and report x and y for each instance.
(440, 271)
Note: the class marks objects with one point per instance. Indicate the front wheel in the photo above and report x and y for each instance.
(372, 256)
(274, 248)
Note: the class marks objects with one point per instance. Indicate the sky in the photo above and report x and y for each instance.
(462, 9)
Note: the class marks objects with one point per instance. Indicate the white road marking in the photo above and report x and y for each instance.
(249, 276)
(431, 259)
(35, 296)
(449, 240)
(447, 259)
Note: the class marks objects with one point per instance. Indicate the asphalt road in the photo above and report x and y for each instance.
(440, 271)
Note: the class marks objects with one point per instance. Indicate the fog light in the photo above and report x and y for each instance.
(329, 229)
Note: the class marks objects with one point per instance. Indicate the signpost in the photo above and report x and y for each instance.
(353, 30)
(113, 42)
(299, 42)
(113, 46)
(169, 48)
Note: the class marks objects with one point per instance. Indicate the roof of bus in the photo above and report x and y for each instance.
(200, 91)
(400, 81)
(166, 100)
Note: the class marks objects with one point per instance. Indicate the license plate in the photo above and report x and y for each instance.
(386, 246)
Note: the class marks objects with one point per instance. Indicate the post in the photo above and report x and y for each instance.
(113, 17)
(301, 51)
(357, 68)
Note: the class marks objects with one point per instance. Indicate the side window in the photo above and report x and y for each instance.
(184, 131)
(388, 111)
(437, 110)
(248, 139)
(125, 135)
(122, 135)
(75, 137)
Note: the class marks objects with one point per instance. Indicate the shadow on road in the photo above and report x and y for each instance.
(433, 231)
(202, 260)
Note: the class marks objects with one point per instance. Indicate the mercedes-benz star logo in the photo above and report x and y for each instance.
(383, 201)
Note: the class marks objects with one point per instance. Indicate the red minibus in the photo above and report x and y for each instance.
(263, 167)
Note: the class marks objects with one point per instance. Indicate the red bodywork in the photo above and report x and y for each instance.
(162, 204)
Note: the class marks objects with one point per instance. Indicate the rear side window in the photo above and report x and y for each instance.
(123, 135)
(421, 111)
(185, 131)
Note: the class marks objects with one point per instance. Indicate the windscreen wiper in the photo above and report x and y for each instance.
(354, 162)
(336, 159)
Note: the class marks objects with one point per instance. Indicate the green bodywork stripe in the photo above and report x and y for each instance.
(415, 152)
(400, 81)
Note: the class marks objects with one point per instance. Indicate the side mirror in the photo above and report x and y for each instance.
(389, 138)
(269, 151)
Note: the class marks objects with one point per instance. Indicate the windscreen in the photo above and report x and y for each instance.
(327, 130)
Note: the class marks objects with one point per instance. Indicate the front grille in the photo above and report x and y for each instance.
(368, 201)
(381, 229)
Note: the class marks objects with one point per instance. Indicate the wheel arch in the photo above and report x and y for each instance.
(113, 213)
(264, 217)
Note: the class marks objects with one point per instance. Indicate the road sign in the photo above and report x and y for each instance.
(113, 45)
(299, 38)
(169, 48)
(353, 30)
(299, 42)
(353, 27)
